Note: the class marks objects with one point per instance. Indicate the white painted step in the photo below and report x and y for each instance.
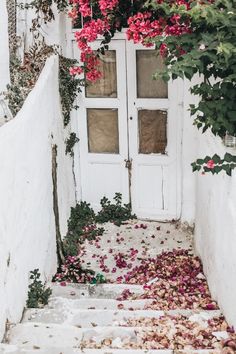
(28, 335)
(82, 291)
(7, 349)
(17, 350)
(87, 318)
(92, 304)
(93, 318)
(31, 335)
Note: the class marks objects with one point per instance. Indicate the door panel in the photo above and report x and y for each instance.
(102, 118)
(153, 137)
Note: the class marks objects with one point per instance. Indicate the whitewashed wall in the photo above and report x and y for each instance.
(4, 49)
(189, 145)
(27, 226)
(215, 234)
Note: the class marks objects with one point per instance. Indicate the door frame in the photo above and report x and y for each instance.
(179, 99)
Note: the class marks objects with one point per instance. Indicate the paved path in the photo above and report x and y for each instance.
(152, 304)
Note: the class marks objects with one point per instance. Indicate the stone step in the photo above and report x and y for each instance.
(44, 336)
(100, 291)
(7, 349)
(100, 317)
(103, 304)
(108, 304)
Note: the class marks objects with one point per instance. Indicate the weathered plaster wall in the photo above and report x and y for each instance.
(27, 226)
(4, 49)
(215, 234)
(189, 151)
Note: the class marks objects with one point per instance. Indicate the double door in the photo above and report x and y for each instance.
(129, 129)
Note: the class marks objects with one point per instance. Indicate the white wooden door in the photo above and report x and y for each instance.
(154, 124)
(102, 125)
(130, 134)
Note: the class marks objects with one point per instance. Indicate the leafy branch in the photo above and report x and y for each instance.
(215, 164)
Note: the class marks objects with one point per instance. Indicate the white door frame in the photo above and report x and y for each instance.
(174, 104)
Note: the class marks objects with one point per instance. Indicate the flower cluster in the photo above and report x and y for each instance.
(107, 5)
(104, 16)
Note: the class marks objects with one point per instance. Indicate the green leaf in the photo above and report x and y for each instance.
(200, 161)
(216, 158)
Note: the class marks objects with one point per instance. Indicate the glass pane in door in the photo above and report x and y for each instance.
(152, 131)
(107, 85)
(147, 64)
(103, 134)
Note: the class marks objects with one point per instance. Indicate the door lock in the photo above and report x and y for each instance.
(128, 164)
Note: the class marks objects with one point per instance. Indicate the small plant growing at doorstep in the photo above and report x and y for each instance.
(38, 294)
(114, 212)
(81, 226)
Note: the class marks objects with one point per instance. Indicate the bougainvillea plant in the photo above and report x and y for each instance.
(193, 37)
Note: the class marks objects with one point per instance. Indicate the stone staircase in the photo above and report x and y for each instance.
(89, 319)
(95, 319)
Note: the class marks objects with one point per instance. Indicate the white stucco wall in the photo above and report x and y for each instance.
(189, 151)
(4, 49)
(215, 233)
(27, 225)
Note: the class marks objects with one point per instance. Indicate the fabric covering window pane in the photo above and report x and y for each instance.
(107, 85)
(147, 64)
(152, 131)
(103, 135)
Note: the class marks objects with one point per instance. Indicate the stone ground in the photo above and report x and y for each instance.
(149, 305)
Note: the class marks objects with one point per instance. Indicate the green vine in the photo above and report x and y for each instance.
(215, 164)
(70, 143)
(43, 11)
(69, 87)
(25, 74)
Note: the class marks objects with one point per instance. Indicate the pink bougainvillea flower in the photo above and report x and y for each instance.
(210, 164)
(76, 71)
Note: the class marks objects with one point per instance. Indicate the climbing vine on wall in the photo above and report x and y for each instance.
(69, 87)
(24, 75)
